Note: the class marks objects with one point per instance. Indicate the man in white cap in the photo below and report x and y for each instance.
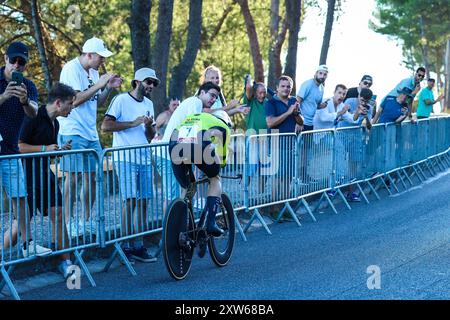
(80, 127)
(310, 96)
(130, 117)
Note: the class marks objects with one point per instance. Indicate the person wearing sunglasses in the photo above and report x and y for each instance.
(413, 83)
(366, 82)
(130, 117)
(16, 101)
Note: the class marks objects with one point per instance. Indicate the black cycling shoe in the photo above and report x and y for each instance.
(202, 242)
(214, 230)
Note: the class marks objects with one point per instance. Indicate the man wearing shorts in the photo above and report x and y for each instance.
(80, 126)
(16, 101)
(130, 118)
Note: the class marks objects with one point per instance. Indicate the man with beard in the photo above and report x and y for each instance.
(130, 118)
(80, 127)
(310, 96)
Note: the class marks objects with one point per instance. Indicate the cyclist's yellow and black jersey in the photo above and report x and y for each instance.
(194, 126)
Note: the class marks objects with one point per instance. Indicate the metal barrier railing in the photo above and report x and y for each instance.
(125, 191)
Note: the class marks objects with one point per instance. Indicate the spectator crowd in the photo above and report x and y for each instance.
(68, 122)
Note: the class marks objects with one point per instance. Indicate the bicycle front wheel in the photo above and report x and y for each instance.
(221, 248)
(178, 239)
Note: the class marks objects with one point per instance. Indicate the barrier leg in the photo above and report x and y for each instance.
(393, 183)
(372, 189)
(159, 249)
(293, 215)
(330, 202)
(110, 261)
(239, 227)
(385, 185)
(318, 203)
(257, 215)
(421, 171)
(439, 162)
(306, 205)
(118, 250)
(289, 209)
(344, 199)
(401, 179)
(79, 260)
(407, 177)
(430, 168)
(417, 173)
(8, 282)
(362, 193)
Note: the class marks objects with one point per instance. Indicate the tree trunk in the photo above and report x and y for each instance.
(139, 23)
(447, 76)
(258, 68)
(160, 55)
(181, 72)
(327, 33)
(37, 26)
(277, 38)
(293, 21)
(424, 47)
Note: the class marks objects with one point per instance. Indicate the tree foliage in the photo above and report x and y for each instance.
(416, 24)
(67, 24)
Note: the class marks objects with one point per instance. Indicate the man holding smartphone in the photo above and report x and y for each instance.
(93, 90)
(16, 101)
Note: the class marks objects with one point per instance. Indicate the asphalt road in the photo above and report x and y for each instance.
(403, 238)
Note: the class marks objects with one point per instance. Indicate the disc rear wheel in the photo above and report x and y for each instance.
(221, 248)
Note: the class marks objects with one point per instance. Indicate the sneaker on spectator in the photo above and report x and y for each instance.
(33, 249)
(64, 266)
(128, 254)
(331, 193)
(142, 255)
(353, 197)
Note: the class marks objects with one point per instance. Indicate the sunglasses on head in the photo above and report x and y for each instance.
(151, 81)
(366, 83)
(20, 60)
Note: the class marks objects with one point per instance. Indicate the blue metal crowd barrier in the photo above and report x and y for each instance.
(126, 190)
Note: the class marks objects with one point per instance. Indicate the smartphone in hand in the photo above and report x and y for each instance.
(17, 77)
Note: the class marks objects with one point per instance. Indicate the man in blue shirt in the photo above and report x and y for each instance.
(16, 101)
(394, 109)
(280, 109)
(412, 83)
(310, 96)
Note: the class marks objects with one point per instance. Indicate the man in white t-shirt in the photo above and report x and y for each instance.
(206, 96)
(79, 129)
(130, 117)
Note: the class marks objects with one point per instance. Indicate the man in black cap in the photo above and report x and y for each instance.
(16, 101)
(366, 82)
(394, 109)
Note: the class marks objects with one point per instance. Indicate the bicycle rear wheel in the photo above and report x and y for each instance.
(178, 239)
(221, 248)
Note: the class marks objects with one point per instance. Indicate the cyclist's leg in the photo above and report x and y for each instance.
(213, 199)
(180, 169)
